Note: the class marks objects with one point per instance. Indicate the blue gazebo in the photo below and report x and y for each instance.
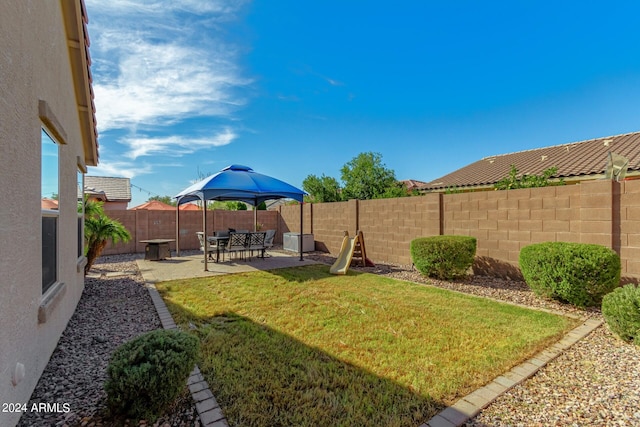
(236, 183)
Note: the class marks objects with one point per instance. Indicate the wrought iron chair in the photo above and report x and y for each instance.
(256, 243)
(237, 243)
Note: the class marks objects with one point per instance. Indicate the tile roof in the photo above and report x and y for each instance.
(48, 204)
(115, 189)
(189, 207)
(156, 205)
(412, 184)
(576, 159)
(75, 22)
(153, 205)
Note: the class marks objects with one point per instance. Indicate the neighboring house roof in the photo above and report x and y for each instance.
(75, 24)
(580, 160)
(48, 204)
(153, 205)
(189, 207)
(273, 204)
(115, 189)
(156, 205)
(413, 184)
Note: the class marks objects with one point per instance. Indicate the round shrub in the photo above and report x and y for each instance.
(443, 257)
(576, 273)
(621, 310)
(148, 373)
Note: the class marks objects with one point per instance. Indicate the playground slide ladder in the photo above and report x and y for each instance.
(359, 251)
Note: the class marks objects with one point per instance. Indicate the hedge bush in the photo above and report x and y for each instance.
(621, 310)
(576, 273)
(443, 257)
(148, 373)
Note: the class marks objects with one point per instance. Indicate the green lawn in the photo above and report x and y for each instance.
(302, 347)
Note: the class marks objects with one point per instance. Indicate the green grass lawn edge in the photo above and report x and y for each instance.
(299, 346)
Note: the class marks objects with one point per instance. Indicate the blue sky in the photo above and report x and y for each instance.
(293, 88)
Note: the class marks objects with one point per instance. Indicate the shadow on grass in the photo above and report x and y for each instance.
(262, 377)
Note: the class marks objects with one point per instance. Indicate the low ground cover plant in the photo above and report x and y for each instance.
(147, 374)
(621, 310)
(576, 273)
(443, 257)
(302, 347)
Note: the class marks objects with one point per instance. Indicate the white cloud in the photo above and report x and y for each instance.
(176, 145)
(157, 63)
(163, 7)
(120, 169)
(163, 84)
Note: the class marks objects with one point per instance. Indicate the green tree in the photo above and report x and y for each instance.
(237, 206)
(513, 181)
(322, 189)
(366, 177)
(168, 200)
(98, 230)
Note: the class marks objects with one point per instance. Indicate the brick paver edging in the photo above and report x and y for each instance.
(206, 404)
(471, 405)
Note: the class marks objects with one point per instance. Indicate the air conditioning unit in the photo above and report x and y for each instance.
(291, 242)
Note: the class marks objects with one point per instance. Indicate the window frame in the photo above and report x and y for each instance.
(51, 126)
(47, 283)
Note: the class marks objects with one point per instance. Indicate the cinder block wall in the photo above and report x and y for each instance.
(503, 222)
(150, 224)
(330, 221)
(627, 227)
(601, 212)
(289, 220)
(389, 225)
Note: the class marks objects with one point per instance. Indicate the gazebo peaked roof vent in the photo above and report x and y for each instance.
(238, 168)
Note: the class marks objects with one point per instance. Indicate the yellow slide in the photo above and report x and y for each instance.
(344, 257)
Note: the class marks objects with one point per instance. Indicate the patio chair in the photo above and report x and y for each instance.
(237, 243)
(256, 243)
(209, 248)
(268, 241)
(221, 244)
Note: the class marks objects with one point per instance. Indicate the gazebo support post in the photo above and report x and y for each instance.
(301, 229)
(178, 228)
(204, 229)
(255, 216)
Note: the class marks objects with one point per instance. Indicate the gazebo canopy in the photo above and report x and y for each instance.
(241, 183)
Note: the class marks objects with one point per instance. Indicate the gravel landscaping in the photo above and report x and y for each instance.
(115, 307)
(596, 382)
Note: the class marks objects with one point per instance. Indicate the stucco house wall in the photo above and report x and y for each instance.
(38, 84)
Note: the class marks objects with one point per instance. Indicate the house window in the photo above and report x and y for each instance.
(50, 213)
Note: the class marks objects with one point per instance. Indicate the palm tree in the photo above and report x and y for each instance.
(98, 230)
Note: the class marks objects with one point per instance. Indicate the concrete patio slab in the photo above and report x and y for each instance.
(190, 266)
